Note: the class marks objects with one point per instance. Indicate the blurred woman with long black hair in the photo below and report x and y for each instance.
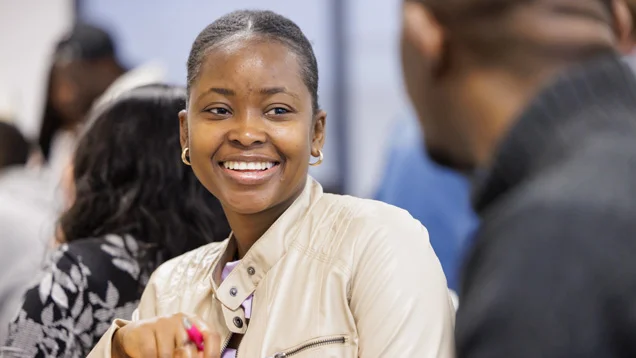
(135, 206)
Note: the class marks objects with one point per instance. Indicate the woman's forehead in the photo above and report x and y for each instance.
(251, 64)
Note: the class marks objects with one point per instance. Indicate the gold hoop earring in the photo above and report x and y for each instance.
(184, 157)
(319, 161)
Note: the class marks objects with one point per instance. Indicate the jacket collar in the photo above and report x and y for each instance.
(265, 253)
(578, 103)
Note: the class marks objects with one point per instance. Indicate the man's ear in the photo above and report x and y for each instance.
(184, 134)
(318, 133)
(623, 26)
(423, 32)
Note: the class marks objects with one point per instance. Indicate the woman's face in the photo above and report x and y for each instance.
(67, 97)
(250, 125)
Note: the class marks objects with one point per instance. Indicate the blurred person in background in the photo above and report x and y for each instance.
(438, 197)
(14, 147)
(24, 221)
(84, 73)
(534, 99)
(135, 206)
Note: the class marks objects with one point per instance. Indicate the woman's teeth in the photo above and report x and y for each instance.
(248, 165)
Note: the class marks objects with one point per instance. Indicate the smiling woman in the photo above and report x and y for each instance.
(250, 106)
(304, 273)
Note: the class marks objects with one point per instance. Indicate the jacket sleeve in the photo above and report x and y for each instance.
(399, 296)
(146, 309)
(550, 280)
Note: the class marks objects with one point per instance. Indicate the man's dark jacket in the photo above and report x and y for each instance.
(553, 268)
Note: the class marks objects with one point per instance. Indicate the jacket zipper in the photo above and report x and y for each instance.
(313, 344)
(226, 343)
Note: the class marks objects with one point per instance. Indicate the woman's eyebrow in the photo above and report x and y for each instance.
(270, 91)
(221, 91)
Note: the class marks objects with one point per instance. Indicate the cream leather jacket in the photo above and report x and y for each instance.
(335, 276)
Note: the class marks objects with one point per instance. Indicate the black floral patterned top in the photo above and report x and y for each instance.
(86, 285)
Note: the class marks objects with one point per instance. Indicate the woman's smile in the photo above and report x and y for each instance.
(249, 169)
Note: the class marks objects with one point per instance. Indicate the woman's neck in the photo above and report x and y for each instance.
(248, 228)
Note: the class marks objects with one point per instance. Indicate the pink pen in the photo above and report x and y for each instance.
(193, 333)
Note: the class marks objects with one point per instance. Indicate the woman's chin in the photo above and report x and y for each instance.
(246, 205)
(248, 210)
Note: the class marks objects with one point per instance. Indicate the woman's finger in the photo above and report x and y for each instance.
(194, 329)
(187, 351)
(183, 338)
(166, 335)
(135, 340)
(211, 340)
(165, 342)
(212, 345)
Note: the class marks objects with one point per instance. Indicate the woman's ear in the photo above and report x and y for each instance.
(184, 135)
(318, 133)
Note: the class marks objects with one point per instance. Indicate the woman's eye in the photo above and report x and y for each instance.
(277, 111)
(219, 111)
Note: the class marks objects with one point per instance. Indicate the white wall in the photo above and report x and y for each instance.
(28, 31)
(376, 94)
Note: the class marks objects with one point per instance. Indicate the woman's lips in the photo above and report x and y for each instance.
(249, 172)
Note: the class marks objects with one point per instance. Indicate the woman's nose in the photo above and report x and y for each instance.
(248, 131)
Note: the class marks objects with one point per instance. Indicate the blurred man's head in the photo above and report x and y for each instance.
(14, 148)
(84, 66)
(470, 66)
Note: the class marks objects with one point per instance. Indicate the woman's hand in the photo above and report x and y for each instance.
(164, 337)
